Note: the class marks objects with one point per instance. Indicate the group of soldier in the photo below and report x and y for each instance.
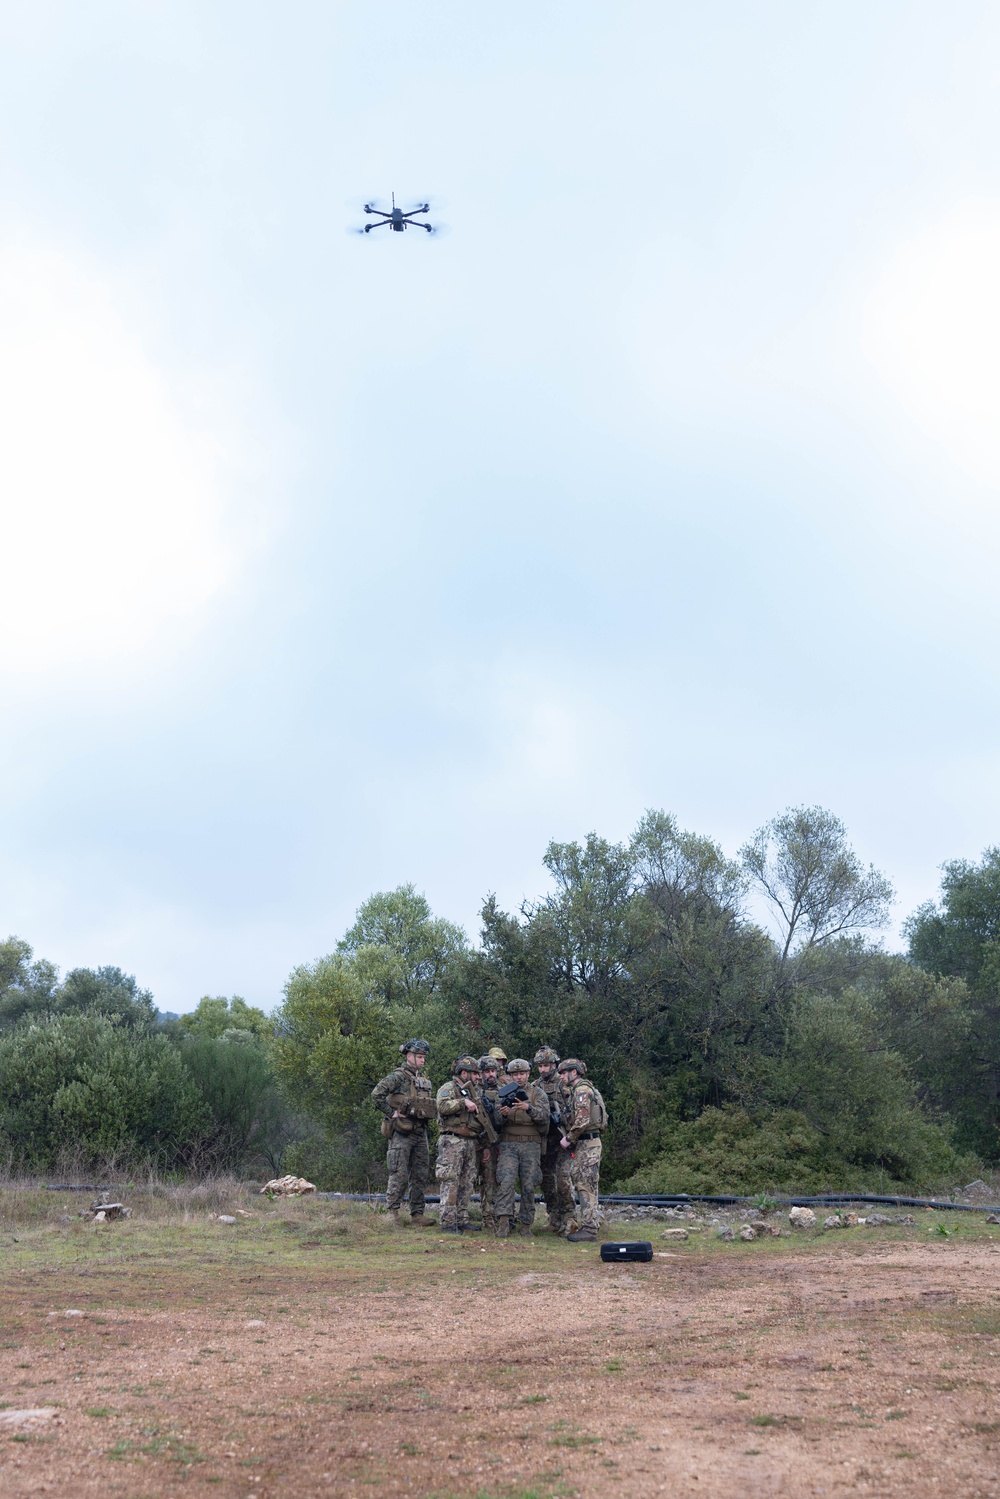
(497, 1128)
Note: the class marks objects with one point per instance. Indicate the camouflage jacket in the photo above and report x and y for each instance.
(453, 1117)
(586, 1111)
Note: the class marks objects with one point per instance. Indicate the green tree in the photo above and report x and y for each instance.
(333, 1042)
(212, 1017)
(26, 988)
(958, 937)
(814, 883)
(88, 1087)
(106, 991)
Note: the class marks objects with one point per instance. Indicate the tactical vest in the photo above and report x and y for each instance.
(465, 1124)
(521, 1129)
(598, 1111)
(416, 1102)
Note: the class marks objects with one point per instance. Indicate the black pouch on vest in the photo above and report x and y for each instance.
(641, 1249)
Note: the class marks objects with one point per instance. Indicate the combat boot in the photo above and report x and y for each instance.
(446, 1228)
(393, 1215)
(419, 1221)
(503, 1228)
(583, 1236)
(471, 1228)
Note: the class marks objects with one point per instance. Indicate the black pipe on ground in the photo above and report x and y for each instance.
(648, 1199)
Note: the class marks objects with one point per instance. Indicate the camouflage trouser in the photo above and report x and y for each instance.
(456, 1164)
(409, 1161)
(486, 1171)
(556, 1187)
(585, 1173)
(518, 1158)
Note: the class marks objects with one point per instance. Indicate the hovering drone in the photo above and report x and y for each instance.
(397, 219)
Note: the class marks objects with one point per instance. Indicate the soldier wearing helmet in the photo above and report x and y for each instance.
(464, 1123)
(556, 1162)
(406, 1099)
(486, 1153)
(525, 1129)
(587, 1118)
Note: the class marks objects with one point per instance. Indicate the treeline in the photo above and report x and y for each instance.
(91, 1075)
(747, 1030)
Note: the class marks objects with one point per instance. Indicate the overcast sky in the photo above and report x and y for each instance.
(668, 477)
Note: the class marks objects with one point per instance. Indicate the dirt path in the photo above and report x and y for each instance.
(508, 1370)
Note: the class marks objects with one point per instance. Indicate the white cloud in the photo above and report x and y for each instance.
(932, 334)
(110, 505)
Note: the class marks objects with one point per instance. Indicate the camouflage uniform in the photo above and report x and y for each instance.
(461, 1133)
(556, 1161)
(588, 1116)
(520, 1155)
(486, 1160)
(409, 1093)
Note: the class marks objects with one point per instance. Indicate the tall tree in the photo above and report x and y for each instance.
(813, 881)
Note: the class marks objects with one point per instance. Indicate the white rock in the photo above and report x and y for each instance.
(833, 1222)
(748, 1233)
(802, 1218)
(225, 1218)
(674, 1233)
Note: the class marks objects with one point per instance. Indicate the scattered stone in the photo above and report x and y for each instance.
(877, 1218)
(802, 1218)
(287, 1186)
(106, 1212)
(256, 1322)
(834, 1221)
(225, 1218)
(747, 1233)
(27, 1417)
(993, 1217)
(851, 1220)
(674, 1233)
(726, 1232)
(978, 1188)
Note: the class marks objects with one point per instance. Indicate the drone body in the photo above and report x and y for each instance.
(397, 220)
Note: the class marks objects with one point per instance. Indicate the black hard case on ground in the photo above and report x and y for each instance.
(641, 1249)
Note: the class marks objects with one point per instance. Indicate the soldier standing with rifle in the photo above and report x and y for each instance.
(464, 1122)
(587, 1118)
(406, 1099)
(556, 1162)
(486, 1152)
(524, 1108)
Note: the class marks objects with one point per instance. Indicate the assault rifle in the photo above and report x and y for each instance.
(481, 1114)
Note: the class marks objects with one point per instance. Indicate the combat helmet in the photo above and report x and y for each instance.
(518, 1064)
(573, 1063)
(546, 1054)
(464, 1064)
(499, 1055)
(414, 1045)
(489, 1062)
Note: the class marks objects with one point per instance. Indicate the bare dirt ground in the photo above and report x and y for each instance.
(313, 1351)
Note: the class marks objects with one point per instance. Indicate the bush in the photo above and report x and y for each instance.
(729, 1150)
(89, 1085)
